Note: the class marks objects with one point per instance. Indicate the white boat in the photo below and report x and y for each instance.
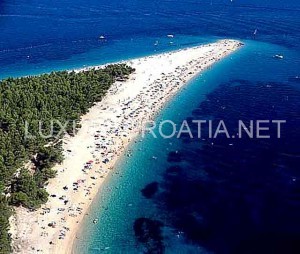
(278, 56)
(102, 37)
(170, 36)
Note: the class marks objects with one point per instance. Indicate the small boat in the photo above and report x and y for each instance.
(170, 36)
(102, 37)
(278, 56)
(95, 221)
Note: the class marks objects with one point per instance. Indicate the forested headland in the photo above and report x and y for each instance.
(60, 96)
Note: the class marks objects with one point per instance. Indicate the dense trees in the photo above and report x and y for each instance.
(29, 107)
(25, 191)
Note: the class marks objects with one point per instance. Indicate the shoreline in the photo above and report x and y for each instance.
(107, 129)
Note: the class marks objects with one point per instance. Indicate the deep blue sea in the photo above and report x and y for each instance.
(199, 196)
(38, 36)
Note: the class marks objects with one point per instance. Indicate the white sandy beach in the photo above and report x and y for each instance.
(106, 130)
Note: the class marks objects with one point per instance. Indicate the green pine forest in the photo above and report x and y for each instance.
(60, 96)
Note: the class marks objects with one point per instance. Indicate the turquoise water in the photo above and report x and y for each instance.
(120, 201)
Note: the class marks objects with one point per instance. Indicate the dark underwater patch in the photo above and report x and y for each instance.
(148, 232)
(150, 190)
